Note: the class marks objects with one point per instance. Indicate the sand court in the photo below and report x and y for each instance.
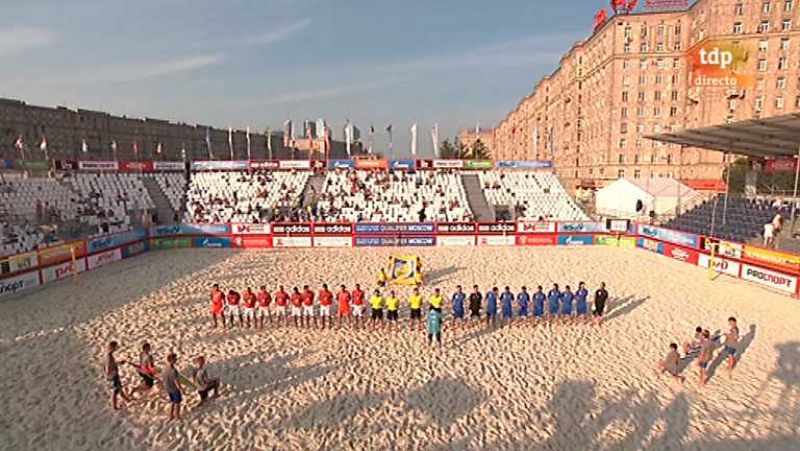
(561, 386)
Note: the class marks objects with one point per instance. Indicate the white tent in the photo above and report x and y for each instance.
(631, 198)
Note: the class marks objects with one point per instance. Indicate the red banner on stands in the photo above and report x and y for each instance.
(681, 253)
(536, 227)
(536, 240)
(371, 164)
(252, 241)
(136, 166)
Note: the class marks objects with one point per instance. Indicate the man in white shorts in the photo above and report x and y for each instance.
(358, 305)
(264, 299)
(249, 307)
(232, 307)
(297, 306)
(308, 307)
(325, 303)
(281, 302)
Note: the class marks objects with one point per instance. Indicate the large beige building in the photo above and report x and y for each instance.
(631, 79)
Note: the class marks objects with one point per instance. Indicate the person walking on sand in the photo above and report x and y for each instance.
(218, 305)
(600, 298)
(111, 373)
(731, 343)
(343, 306)
(434, 326)
(705, 357)
(415, 309)
(205, 384)
(172, 386)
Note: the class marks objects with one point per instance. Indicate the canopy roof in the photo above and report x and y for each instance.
(777, 136)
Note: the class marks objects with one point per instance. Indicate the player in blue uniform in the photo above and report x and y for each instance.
(491, 306)
(538, 304)
(566, 303)
(581, 304)
(458, 304)
(507, 298)
(523, 298)
(554, 300)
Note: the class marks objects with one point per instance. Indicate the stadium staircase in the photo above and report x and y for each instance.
(164, 211)
(313, 189)
(481, 209)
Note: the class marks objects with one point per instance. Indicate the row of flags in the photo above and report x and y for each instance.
(19, 144)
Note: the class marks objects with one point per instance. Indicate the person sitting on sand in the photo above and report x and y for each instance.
(205, 384)
(111, 373)
(173, 387)
(146, 370)
(693, 346)
(670, 363)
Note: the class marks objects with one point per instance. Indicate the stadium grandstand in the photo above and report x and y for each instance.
(530, 195)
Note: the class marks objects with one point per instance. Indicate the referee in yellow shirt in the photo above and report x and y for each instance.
(415, 306)
(436, 300)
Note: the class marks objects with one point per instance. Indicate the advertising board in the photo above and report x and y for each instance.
(724, 248)
(252, 241)
(455, 228)
(250, 229)
(455, 241)
(365, 163)
(581, 227)
(333, 241)
(20, 282)
(170, 243)
(294, 164)
(681, 254)
(478, 164)
(496, 240)
(19, 262)
(389, 241)
(529, 164)
(289, 229)
(671, 236)
(497, 228)
(334, 229)
(393, 228)
(573, 240)
(115, 240)
(169, 166)
(220, 165)
(264, 165)
(650, 245)
(212, 242)
(136, 166)
(291, 241)
(536, 227)
(536, 240)
(104, 258)
(135, 249)
(341, 164)
(772, 279)
(782, 259)
(62, 270)
(98, 165)
(448, 164)
(721, 265)
(403, 165)
(61, 252)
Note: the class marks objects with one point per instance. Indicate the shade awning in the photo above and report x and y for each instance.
(777, 136)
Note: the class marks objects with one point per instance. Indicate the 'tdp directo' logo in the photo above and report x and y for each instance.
(719, 64)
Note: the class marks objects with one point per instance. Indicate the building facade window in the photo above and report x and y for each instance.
(759, 103)
(738, 10)
(673, 111)
(637, 173)
(785, 44)
(621, 173)
(737, 28)
(783, 63)
(786, 25)
(779, 103)
(762, 65)
(788, 5)
(766, 7)
(763, 45)
(780, 83)
(763, 27)
(640, 96)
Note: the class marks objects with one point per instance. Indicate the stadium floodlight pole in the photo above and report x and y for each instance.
(794, 192)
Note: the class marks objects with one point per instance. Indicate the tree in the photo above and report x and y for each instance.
(479, 151)
(448, 151)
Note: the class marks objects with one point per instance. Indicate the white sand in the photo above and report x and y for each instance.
(561, 387)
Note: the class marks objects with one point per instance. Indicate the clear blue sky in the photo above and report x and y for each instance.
(258, 62)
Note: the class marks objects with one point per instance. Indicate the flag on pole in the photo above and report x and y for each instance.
(477, 128)
(135, 149)
(414, 139)
(183, 151)
(84, 146)
(230, 141)
(328, 143)
(269, 142)
(18, 144)
(247, 136)
(389, 131)
(43, 144)
(113, 147)
(348, 136)
(208, 143)
(435, 139)
(158, 149)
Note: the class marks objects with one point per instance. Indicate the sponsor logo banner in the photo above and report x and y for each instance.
(424, 164)
(773, 279)
(670, 236)
(118, 239)
(536, 240)
(371, 164)
(403, 164)
(618, 225)
(220, 165)
(575, 239)
(32, 165)
(341, 164)
(98, 165)
(18, 283)
(212, 242)
(135, 249)
(788, 261)
(496, 240)
(250, 229)
(61, 253)
(62, 271)
(448, 164)
(141, 166)
(205, 229)
(339, 229)
(720, 64)
(497, 228)
(367, 228)
(170, 243)
(19, 262)
(294, 164)
(650, 245)
(721, 265)
(291, 229)
(681, 254)
(531, 164)
(606, 240)
(396, 241)
(291, 241)
(333, 241)
(725, 248)
(456, 228)
(104, 258)
(169, 166)
(536, 227)
(478, 164)
(254, 242)
(455, 240)
(258, 165)
(581, 227)
(65, 165)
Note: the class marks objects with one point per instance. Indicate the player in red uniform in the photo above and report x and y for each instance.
(264, 299)
(281, 300)
(233, 307)
(325, 303)
(308, 307)
(358, 305)
(343, 298)
(297, 305)
(218, 305)
(250, 306)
